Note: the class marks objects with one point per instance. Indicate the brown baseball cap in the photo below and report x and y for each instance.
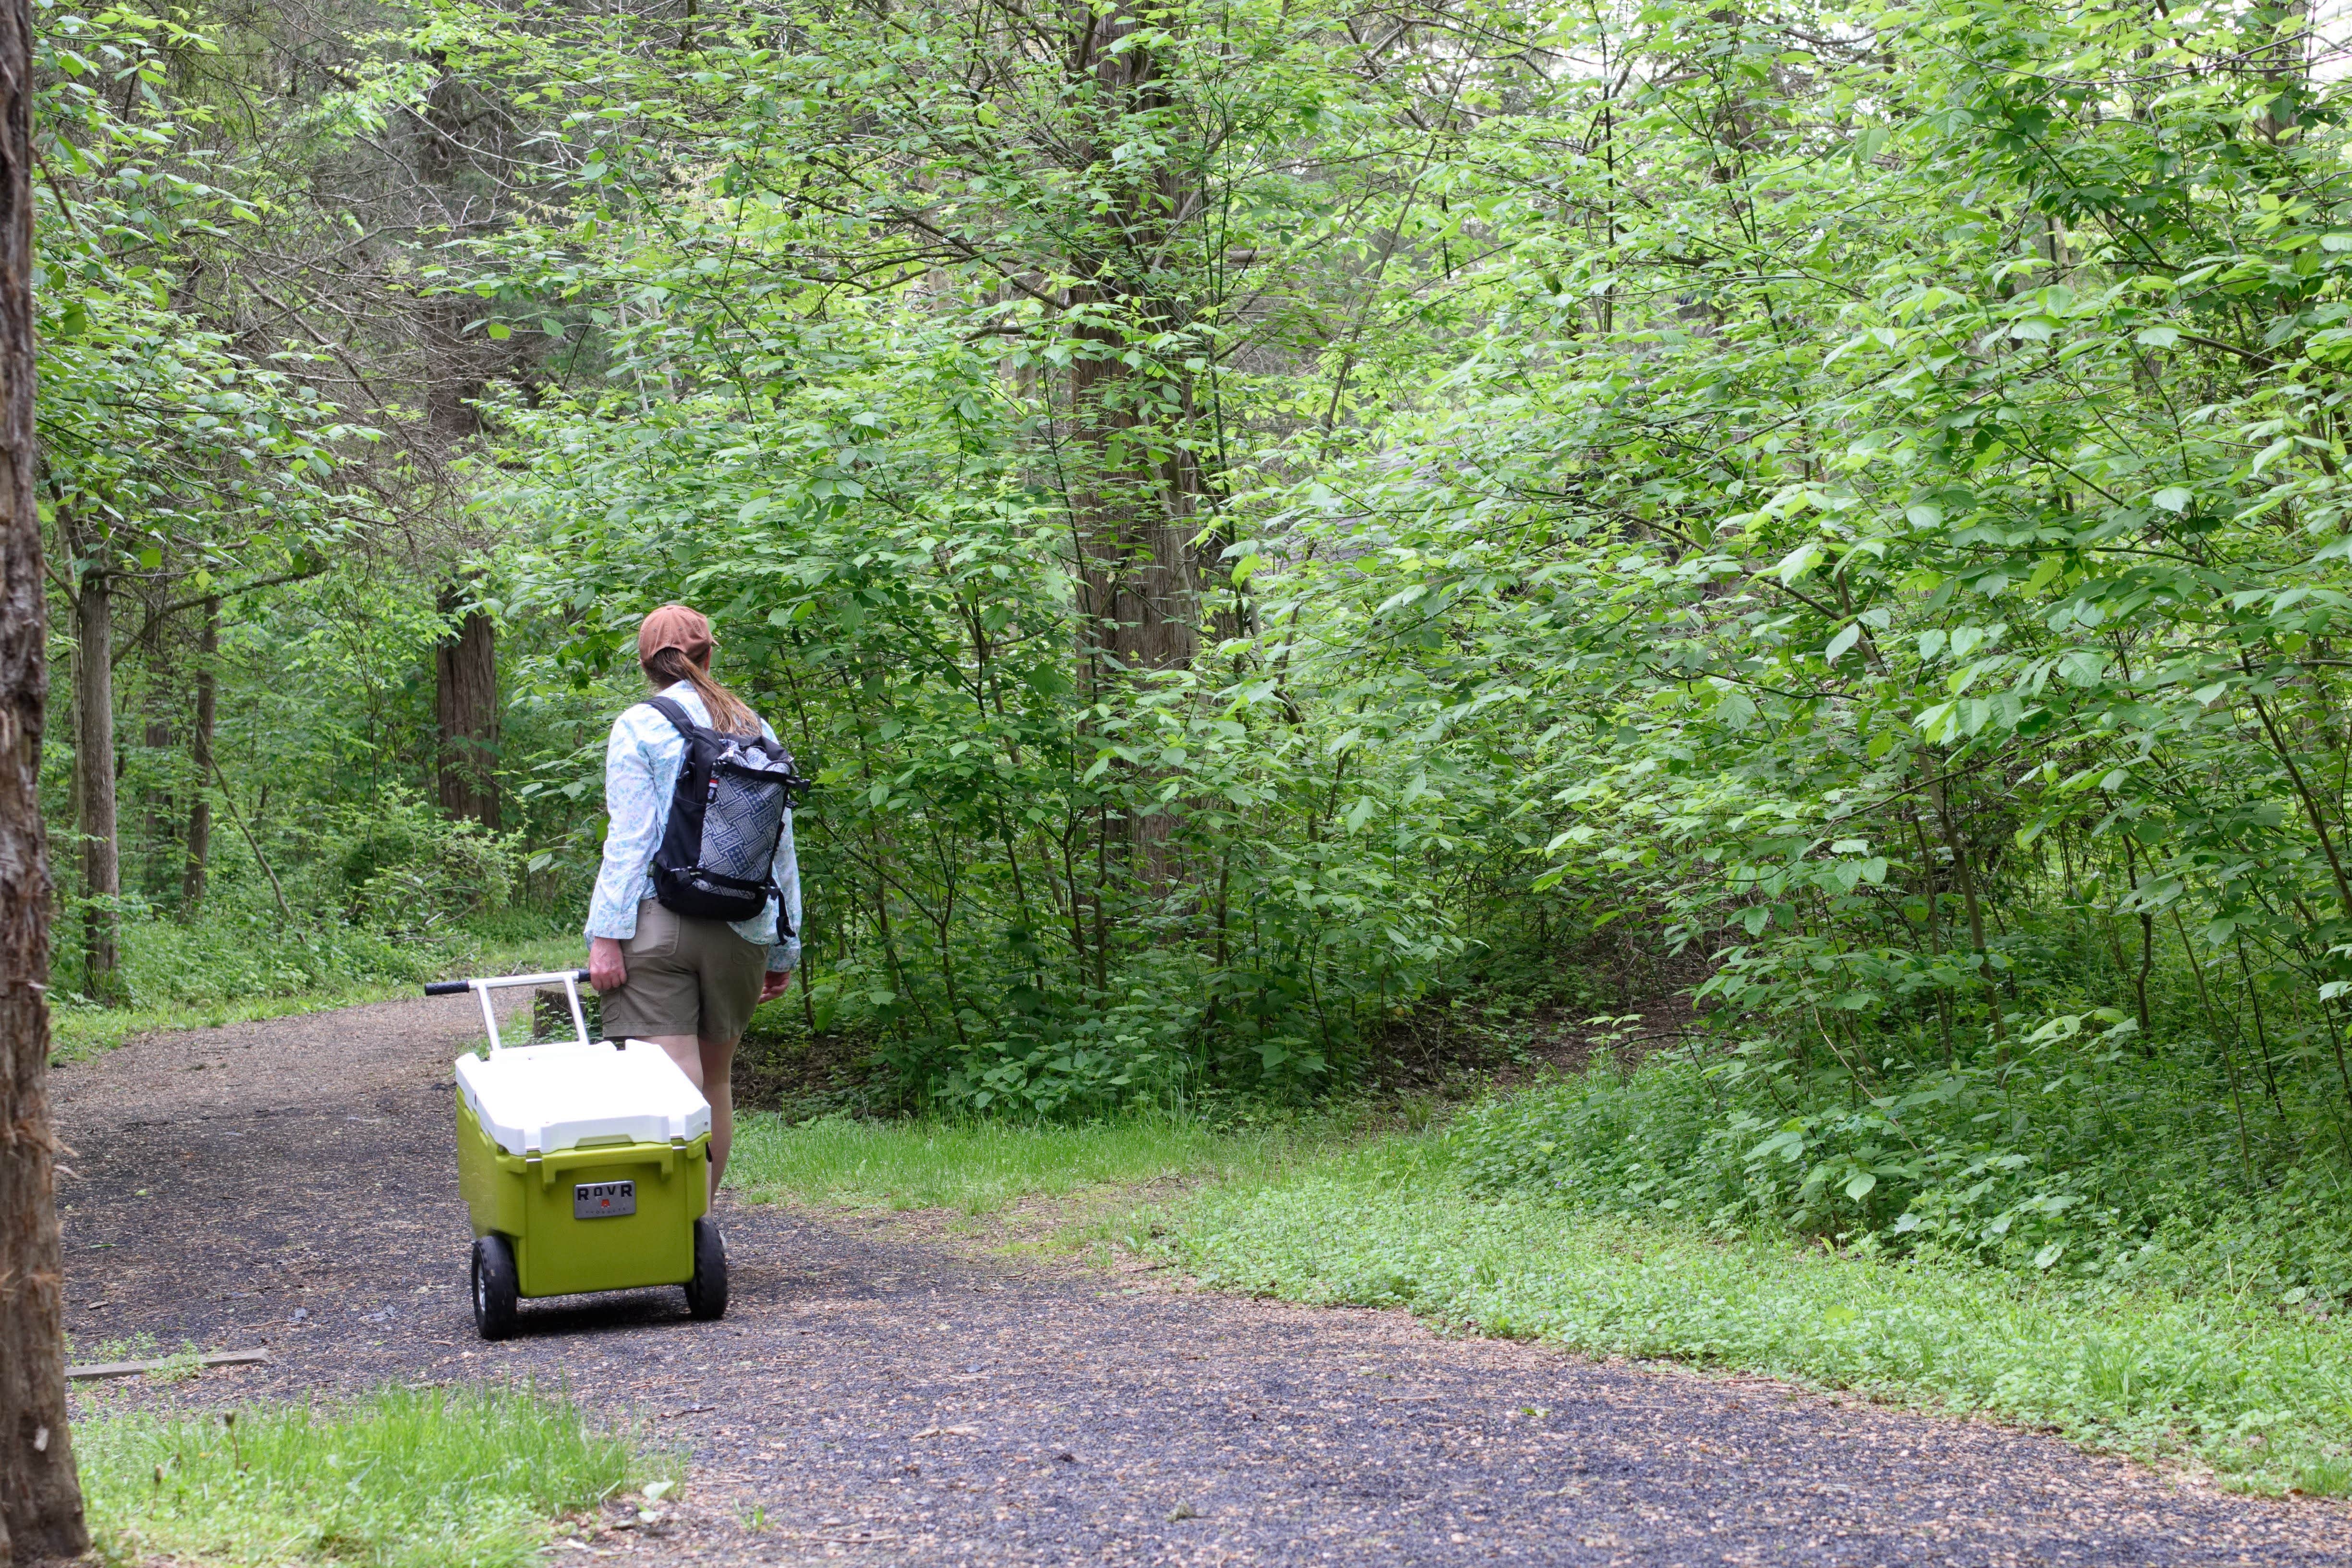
(675, 626)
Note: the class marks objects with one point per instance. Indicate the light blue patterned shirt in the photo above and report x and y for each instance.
(641, 764)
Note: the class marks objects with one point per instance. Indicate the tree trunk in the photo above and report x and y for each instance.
(465, 703)
(102, 851)
(1138, 493)
(40, 1491)
(159, 817)
(1966, 877)
(200, 753)
(1135, 510)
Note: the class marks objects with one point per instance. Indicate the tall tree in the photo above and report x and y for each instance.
(200, 757)
(94, 775)
(1133, 504)
(466, 709)
(40, 1491)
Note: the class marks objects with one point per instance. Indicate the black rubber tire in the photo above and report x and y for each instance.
(706, 1293)
(495, 1286)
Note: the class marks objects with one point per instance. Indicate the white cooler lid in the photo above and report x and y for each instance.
(538, 1099)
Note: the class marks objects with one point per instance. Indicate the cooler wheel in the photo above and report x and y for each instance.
(706, 1293)
(495, 1288)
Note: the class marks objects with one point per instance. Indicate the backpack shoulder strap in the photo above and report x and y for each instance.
(677, 716)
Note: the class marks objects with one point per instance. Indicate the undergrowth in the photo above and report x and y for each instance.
(232, 970)
(2075, 1159)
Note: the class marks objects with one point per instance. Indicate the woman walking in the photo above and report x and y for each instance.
(681, 981)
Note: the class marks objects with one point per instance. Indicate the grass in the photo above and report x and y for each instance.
(2262, 1397)
(79, 1030)
(979, 1168)
(401, 1479)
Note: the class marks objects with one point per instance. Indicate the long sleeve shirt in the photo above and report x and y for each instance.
(641, 764)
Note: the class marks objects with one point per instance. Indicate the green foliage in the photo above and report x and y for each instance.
(408, 871)
(1038, 902)
(2212, 1378)
(169, 457)
(401, 1479)
(1964, 564)
(1258, 525)
(381, 891)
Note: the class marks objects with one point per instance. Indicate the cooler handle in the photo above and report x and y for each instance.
(567, 978)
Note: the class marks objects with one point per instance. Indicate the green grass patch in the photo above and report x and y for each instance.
(980, 1167)
(401, 1479)
(2260, 1395)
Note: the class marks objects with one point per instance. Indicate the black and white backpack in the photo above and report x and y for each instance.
(718, 854)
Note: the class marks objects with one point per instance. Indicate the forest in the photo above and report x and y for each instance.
(1280, 530)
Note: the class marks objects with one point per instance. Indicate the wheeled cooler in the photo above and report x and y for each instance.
(585, 1165)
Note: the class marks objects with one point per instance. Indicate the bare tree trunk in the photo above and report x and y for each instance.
(101, 851)
(465, 702)
(200, 753)
(40, 1491)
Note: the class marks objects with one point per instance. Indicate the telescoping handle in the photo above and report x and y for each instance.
(459, 988)
(569, 980)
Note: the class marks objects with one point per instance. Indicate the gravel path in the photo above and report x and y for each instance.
(874, 1397)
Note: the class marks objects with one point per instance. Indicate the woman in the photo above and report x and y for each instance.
(686, 985)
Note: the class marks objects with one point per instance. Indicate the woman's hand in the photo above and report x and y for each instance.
(606, 972)
(777, 982)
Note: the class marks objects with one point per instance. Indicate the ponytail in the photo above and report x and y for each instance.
(670, 665)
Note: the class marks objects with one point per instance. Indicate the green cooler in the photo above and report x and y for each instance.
(585, 1165)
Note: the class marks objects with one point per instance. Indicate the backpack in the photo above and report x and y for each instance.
(718, 854)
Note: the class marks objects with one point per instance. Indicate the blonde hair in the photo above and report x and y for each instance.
(665, 667)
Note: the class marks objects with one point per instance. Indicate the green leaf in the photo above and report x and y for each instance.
(1796, 563)
(2081, 667)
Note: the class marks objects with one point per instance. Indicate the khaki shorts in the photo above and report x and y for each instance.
(685, 977)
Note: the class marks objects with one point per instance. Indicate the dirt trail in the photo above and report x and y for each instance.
(873, 1397)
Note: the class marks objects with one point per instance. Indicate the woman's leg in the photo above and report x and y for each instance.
(710, 1064)
(727, 974)
(732, 972)
(717, 1082)
(683, 1049)
(690, 1053)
